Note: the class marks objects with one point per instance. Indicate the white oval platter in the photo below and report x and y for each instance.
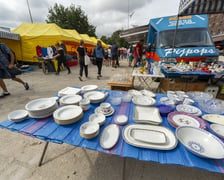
(218, 129)
(214, 118)
(109, 136)
(169, 144)
(143, 100)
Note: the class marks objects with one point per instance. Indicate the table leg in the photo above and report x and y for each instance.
(124, 168)
(43, 153)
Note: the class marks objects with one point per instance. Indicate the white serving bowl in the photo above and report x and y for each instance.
(200, 142)
(97, 118)
(70, 100)
(89, 129)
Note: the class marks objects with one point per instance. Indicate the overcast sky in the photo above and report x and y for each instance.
(107, 15)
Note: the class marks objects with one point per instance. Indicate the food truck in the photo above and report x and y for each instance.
(186, 38)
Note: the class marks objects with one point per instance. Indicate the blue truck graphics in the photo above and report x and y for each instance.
(189, 41)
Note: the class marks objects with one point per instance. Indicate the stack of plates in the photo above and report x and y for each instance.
(89, 130)
(109, 113)
(95, 96)
(98, 118)
(68, 114)
(68, 91)
(177, 119)
(70, 100)
(18, 115)
(88, 88)
(149, 136)
(41, 108)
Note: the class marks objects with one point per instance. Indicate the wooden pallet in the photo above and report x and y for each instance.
(124, 86)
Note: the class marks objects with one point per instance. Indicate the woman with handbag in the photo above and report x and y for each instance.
(8, 69)
(99, 54)
(81, 57)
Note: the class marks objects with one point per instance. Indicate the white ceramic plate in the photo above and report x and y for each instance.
(148, 136)
(70, 99)
(214, 118)
(143, 100)
(188, 109)
(94, 96)
(68, 91)
(200, 142)
(18, 115)
(67, 112)
(121, 119)
(109, 136)
(40, 104)
(148, 93)
(98, 110)
(149, 115)
(134, 92)
(218, 129)
(88, 88)
(170, 143)
(97, 118)
(184, 120)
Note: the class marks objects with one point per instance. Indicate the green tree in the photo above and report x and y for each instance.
(115, 38)
(70, 18)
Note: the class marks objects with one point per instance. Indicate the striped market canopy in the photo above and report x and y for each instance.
(188, 7)
(5, 34)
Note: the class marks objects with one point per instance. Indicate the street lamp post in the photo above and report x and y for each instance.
(31, 19)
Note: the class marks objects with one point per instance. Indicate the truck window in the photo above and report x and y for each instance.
(198, 37)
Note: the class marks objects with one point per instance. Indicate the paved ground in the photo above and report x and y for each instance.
(19, 154)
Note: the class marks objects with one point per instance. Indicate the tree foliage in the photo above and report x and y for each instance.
(115, 39)
(70, 18)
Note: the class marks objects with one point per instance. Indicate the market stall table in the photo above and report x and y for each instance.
(47, 130)
(147, 79)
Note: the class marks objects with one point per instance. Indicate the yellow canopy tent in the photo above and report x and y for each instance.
(40, 34)
(72, 46)
(87, 40)
(94, 40)
(103, 44)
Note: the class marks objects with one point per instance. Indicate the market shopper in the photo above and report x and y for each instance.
(114, 55)
(130, 55)
(81, 57)
(7, 60)
(61, 58)
(99, 55)
(138, 52)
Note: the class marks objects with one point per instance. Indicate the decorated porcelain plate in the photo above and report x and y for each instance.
(98, 110)
(214, 118)
(143, 100)
(88, 88)
(149, 115)
(69, 91)
(40, 104)
(134, 92)
(188, 109)
(141, 135)
(70, 99)
(218, 129)
(109, 136)
(200, 142)
(177, 119)
(18, 115)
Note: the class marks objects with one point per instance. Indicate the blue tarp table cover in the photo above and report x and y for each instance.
(46, 129)
(200, 74)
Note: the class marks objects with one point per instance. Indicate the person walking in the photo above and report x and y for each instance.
(61, 58)
(114, 55)
(7, 60)
(81, 57)
(99, 54)
(138, 52)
